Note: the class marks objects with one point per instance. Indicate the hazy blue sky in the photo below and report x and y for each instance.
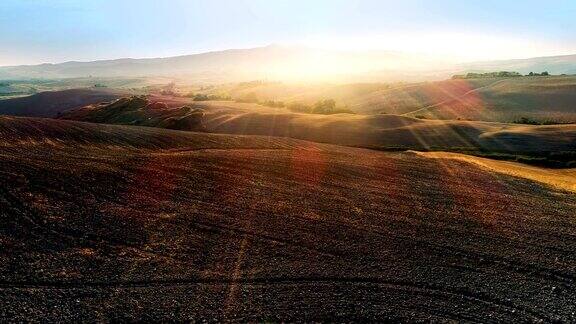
(34, 31)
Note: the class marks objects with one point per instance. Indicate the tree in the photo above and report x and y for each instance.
(169, 89)
(324, 106)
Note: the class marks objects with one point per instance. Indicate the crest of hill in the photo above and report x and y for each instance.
(524, 99)
(18, 132)
(94, 213)
(542, 99)
(53, 103)
(140, 111)
(374, 131)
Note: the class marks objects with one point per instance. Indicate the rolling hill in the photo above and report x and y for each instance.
(53, 103)
(542, 99)
(126, 223)
(365, 98)
(537, 99)
(372, 131)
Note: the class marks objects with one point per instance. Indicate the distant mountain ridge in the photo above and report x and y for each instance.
(285, 63)
(272, 61)
(564, 64)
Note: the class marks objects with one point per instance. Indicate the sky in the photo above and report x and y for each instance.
(52, 31)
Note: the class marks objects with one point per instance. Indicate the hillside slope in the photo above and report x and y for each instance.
(365, 98)
(523, 99)
(374, 131)
(53, 103)
(541, 99)
(125, 223)
(550, 99)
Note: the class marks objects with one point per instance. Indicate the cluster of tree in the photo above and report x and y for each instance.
(501, 74)
(326, 106)
(254, 84)
(207, 97)
(562, 159)
(532, 121)
(323, 107)
(169, 89)
(557, 160)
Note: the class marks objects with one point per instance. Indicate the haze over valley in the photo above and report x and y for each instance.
(288, 64)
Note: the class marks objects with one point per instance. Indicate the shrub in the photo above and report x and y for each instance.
(501, 74)
(545, 73)
(169, 89)
(531, 121)
(205, 97)
(323, 107)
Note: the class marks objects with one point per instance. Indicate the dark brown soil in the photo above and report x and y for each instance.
(54, 103)
(119, 223)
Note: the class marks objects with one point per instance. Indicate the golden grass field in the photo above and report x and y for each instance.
(548, 99)
(564, 179)
(543, 99)
(372, 131)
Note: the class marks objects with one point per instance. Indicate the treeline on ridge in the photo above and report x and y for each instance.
(500, 74)
(324, 107)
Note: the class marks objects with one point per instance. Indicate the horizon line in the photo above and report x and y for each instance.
(268, 46)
